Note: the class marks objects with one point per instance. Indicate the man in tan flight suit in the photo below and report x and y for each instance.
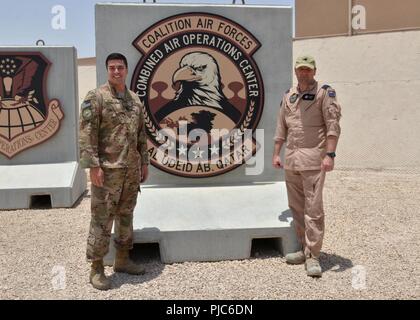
(113, 147)
(308, 121)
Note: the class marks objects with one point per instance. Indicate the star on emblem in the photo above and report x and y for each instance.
(198, 153)
(214, 149)
(182, 150)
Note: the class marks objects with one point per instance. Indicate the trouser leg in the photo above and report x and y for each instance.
(313, 184)
(296, 199)
(104, 203)
(124, 215)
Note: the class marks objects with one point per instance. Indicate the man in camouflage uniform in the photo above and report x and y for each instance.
(113, 146)
(308, 121)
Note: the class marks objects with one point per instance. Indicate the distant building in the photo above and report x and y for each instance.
(326, 18)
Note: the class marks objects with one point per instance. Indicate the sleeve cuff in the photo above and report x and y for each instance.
(89, 162)
(332, 133)
(279, 139)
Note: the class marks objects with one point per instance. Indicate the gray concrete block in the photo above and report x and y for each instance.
(212, 223)
(62, 85)
(51, 167)
(63, 182)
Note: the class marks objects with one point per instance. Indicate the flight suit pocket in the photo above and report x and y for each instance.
(312, 116)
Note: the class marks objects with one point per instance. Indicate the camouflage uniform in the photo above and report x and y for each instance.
(112, 136)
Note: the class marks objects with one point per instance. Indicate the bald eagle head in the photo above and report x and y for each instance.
(199, 79)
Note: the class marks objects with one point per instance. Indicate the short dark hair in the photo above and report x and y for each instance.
(116, 56)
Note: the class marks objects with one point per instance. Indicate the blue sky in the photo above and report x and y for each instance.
(27, 21)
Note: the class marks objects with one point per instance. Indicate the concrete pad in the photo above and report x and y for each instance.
(64, 182)
(212, 223)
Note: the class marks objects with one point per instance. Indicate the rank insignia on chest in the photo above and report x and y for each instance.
(293, 98)
(308, 96)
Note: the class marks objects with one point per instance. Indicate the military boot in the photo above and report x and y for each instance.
(313, 268)
(97, 276)
(123, 264)
(295, 257)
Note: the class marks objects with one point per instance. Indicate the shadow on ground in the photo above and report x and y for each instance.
(334, 263)
(147, 255)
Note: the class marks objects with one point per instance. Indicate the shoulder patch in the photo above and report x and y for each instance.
(87, 114)
(331, 93)
(326, 86)
(293, 98)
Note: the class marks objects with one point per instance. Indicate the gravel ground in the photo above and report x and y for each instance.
(371, 251)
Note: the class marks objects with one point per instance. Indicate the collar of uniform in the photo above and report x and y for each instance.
(114, 92)
(311, 89)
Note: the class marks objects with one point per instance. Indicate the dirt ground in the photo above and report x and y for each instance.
(370, 251)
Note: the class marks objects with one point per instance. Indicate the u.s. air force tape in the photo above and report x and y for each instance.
(86, 104)
(86, 110)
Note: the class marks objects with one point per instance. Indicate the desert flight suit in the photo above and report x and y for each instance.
(112, 136)
(304, 121)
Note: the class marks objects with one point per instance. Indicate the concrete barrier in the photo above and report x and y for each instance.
(198, 210)
(39, 128)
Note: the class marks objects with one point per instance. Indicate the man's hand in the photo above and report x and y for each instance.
(144, 172)
(277, 162)
(327, 164)
(97, 176)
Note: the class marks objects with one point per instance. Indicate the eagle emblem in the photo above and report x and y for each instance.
(201, 91)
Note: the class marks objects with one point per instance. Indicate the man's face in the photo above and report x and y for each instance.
(305, 75)
(117, 72)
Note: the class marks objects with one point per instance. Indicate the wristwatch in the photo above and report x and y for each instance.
(332, 155)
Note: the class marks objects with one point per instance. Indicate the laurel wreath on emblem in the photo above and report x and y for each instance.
(226, 143)
(239, 133)
(153, 131)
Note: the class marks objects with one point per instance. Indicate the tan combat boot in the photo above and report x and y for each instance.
(97, 276)
(123, 264)
(313, 268)
(295, 257)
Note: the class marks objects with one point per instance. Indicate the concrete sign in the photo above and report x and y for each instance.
(39, 127)
(211, 79)
(27, 117)
(202, 70)
(204, 83)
